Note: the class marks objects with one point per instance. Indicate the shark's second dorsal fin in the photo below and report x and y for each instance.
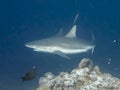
(72, 32)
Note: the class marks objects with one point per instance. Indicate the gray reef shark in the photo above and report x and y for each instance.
(63, 45)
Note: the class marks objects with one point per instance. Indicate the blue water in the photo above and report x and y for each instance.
(27, 20)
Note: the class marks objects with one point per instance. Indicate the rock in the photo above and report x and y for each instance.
(97, 70)
(86, 63)
(44, 88)
(49, 75)
(85, 77)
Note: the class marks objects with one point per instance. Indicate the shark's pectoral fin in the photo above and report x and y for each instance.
(62, 54)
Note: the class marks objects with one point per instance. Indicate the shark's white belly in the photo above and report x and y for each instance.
(73, 51)
(60, 49)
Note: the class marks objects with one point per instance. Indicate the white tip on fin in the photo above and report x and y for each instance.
(72, 32)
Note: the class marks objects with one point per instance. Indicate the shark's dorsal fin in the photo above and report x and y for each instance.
(72, 32)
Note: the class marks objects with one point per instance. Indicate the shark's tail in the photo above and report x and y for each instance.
(93, 38)
(92, 50)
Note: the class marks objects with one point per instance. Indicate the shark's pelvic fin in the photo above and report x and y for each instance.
(72, 32)
(62, 54)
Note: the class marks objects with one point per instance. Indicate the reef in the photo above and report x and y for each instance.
(85, 77)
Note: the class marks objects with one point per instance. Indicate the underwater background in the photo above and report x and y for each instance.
(28, 20)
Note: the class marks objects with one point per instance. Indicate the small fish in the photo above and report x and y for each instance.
(30, 75)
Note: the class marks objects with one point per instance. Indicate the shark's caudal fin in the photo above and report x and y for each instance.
(90, 51)
(93, 38)
(72, 32)
(93, 50)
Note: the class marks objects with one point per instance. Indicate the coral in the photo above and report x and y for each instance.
(97, 70)
(85, 77)
(44, 88)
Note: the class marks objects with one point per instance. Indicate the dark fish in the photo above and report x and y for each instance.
(29, 75)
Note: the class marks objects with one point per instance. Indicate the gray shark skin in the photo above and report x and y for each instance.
(63, 45)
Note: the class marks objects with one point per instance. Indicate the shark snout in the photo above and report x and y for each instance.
(29, 45)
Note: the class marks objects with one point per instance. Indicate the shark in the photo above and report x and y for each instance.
(63, 45)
